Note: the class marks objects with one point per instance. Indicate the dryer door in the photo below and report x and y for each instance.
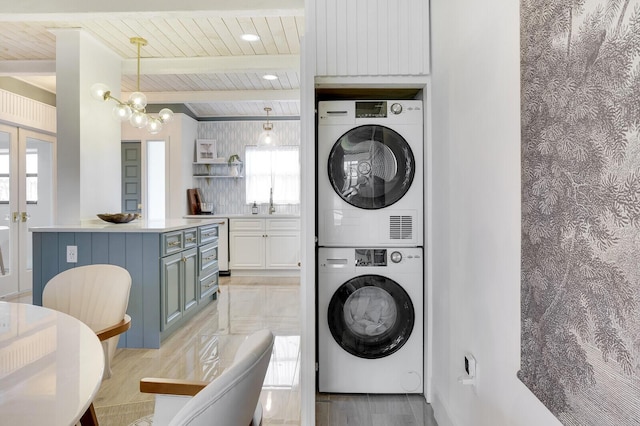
(371, 316)
(371, 167)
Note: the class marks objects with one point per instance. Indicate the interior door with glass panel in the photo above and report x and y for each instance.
(27, 199)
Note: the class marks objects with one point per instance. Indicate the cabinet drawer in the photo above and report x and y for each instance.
(283, 224)
(207, 234)
(250, 225)
(208, 285)
(171, 242)
(190, 237)
(208, 257)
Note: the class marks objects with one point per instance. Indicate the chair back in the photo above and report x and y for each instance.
(97, 295)
(231, 399)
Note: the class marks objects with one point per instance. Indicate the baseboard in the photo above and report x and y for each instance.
(440, 412)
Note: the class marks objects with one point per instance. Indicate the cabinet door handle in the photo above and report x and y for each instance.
(174, 243)
(210, 258)
(210, 234)
(184, 259)
(190, 240)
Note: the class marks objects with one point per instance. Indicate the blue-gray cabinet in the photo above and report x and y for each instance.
(179, 281)
(174, 274)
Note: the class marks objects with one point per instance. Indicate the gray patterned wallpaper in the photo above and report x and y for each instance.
(228, 194)
(580, 289)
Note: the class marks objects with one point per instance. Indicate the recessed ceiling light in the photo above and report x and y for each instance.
(250, 37)
(270, 77)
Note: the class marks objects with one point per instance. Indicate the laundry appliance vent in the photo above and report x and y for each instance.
(400, 227)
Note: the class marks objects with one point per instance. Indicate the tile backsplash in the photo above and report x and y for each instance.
(228, 194)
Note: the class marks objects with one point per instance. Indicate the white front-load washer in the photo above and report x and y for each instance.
(370, 173)
(370, 320)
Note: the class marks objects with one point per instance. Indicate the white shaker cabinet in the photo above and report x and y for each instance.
(259, 243)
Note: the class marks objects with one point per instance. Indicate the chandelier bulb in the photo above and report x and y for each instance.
(138, 100)
(100, 92)
(154, 125)
(138, 119)
(122, 112)
(165, 115)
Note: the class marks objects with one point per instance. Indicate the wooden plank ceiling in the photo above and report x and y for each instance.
(197, 59)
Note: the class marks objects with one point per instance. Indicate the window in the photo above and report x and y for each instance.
(276, 168)
(32, 176)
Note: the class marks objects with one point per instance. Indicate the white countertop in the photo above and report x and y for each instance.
(137, 225)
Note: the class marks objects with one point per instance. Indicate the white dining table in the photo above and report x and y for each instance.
(51, 366)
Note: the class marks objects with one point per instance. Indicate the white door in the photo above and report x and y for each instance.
(27, 195)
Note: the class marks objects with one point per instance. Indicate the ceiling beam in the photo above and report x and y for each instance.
(28, 67)
(54, 10)
(212, 65)
(165, 66)
(220, 96)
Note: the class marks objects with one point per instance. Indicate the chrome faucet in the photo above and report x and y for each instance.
(272, 209)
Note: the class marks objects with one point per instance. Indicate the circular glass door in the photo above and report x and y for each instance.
(371, 316)
(371, 167)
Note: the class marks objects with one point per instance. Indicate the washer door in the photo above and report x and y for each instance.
(371, 316)
(371, 167)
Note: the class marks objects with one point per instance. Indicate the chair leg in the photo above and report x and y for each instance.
(89, 417)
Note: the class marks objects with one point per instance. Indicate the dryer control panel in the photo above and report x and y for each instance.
(384, 112)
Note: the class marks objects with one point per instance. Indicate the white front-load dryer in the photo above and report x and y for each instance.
(370, 320)
(370, 173)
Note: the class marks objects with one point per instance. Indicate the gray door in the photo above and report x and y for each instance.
(131, 177)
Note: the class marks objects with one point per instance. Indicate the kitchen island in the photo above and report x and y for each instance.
(173, 266)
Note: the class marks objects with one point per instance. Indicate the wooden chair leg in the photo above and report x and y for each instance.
(89, 417)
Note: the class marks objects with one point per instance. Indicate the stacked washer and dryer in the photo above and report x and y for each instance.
(370, 246)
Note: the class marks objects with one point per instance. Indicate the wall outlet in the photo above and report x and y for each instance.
(469, 376)
(72, 254)
(470, 365)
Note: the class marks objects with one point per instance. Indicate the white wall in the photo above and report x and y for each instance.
(88, 148)
(476, 205)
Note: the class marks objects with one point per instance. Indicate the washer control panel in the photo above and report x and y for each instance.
(370, 257)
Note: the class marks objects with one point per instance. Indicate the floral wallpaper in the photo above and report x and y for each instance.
(228, 194)
(580, 281)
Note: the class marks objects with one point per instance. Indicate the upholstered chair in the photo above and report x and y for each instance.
(98, 296)
(231, 399)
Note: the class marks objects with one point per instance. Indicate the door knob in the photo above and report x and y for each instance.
(25, 216)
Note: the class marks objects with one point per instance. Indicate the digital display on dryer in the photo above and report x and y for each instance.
(377, 109)
(371, 257)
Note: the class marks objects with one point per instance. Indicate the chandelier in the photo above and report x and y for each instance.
(268, 136)
(134, 109)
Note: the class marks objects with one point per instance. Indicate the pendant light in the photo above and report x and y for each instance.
(268, 137)
(134, 110)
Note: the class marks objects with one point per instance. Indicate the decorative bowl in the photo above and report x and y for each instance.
(118, 217)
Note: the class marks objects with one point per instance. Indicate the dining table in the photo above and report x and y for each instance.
(51, 366)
